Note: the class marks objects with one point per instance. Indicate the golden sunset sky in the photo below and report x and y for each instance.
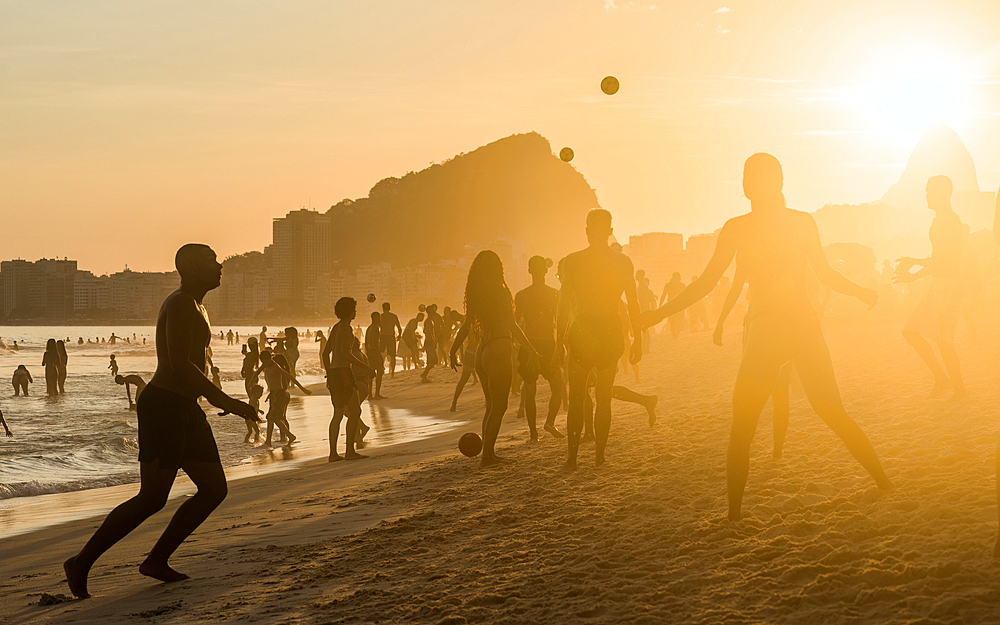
(128, 128)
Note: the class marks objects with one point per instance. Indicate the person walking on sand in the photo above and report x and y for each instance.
(387, 335)
(535, 309)
(588, 324)
(173, 431)
(50, 360)
(936, 316)
(776, 247)
(489, 313)
(20, 380)
(262, 339)
(671, 290)
(338, 358)
(61, 365)
(292, 348)
(131, 380)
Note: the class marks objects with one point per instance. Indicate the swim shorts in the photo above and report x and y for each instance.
(596, 342)
(340, 381)
(431, 349)
(545, 349)
(172, 429)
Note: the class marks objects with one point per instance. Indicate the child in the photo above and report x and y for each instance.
(113, 366)
(216, 380)
(256, 391)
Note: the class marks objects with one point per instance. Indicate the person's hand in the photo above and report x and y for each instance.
(648, 318)
(870, 297)
(636, 354)
(717, 335)
(9, 434)
(307, 391)
(904, 278)
(903, 264)
(239, 408)
(454, 362)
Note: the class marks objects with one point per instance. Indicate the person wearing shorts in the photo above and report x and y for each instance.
(338, 358)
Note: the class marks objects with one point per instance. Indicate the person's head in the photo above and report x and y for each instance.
(432, 308)
(112, 356)
(420, 316)
(939, 189)
(50, 345)
(22, 368)
(640, 274)
(487, 298)
(616, 246)
(319, 333)
(263, 328)
(598, 226)
(537, 266)
(198, 266)
(252, 342)
(60, 346)
(215, 369)
(346, 308)
(385, 306)
(763, 179)
(256, 391)
(291, 332)
(265, 356)
(376, 317)
(120, 379)
(676, 277)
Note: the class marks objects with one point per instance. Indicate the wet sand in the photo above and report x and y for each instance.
(420, 534)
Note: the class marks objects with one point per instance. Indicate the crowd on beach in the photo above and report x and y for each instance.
(577, 337)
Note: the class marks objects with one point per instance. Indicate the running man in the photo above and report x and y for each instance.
(776, 246)
(936, 316)
(173, 431)
(535, 311)
(387, 335)
(593, 281)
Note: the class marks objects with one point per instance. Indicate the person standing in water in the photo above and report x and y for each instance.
(173, 431)
(588, 324)
(20, 380)
(51, 362)
(489, 313)
(131, 380)
(113, 365)
(776, 247)
(63, 360)
(535, 309)
(936, 316)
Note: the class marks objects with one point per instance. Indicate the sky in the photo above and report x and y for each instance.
(129, 128)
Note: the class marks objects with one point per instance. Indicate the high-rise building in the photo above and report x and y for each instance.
(40, 289)
(301, 255)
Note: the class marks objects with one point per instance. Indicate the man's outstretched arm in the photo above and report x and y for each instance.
(828, 275)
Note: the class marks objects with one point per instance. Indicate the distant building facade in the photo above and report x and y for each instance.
(300, 249)
(37, 290)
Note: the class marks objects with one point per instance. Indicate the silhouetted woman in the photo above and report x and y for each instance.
(251, 358)
(776, 247)
(291, 348)
(50, 360)
(61, 365)
(489, 311)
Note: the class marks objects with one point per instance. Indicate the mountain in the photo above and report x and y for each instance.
(512, 188)
(940, 151)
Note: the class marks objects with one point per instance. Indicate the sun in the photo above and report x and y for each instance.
(906, 90)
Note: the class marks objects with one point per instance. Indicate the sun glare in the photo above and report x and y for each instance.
(907, 92)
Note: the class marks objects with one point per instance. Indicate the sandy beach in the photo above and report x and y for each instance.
(419, 533)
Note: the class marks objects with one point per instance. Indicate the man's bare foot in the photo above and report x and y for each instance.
(570, 465)
(76, 577)
(551, 429)
(454, 408)
(941, 388)
(734, 515)
(162, 572)
(885, 485)
(335, 458)
(651, 409)
(533, 437)
(599, 459)
(292, 438)
(424, 380)
(489, 461)
(353, 455)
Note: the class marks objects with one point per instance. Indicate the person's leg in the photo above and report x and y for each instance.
(467, 368)
(496, 359)
(555, 400)
(485, 387)
(211, 482)
(815, 369)
(575, 410)
(923, 349)
(602, 409)
(353, 417)
(154, 488)
(334, 433)
(646, 401)
(950, 357)
(17, 389)
(780, 404)
(530, 409)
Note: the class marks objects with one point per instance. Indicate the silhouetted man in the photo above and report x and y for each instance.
(593, 281)
(936, 316)
(373, 350)
(410, 338)
(387, 335)
(432, 325)
(671, 290)
(136, 381)
(535, 311)
(173, 431)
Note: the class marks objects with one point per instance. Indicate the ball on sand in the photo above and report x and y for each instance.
(470, 444)
(566, 154)
(610, 85)
(371, 298)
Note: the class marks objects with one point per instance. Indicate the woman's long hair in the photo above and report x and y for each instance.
(50, 346)
(487, 298)
(61, 350)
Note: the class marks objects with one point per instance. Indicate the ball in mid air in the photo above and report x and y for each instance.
(566, 154)
(371, 298)
(610, 85)
(470, 444)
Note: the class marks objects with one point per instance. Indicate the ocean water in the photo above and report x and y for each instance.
(87, 438)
